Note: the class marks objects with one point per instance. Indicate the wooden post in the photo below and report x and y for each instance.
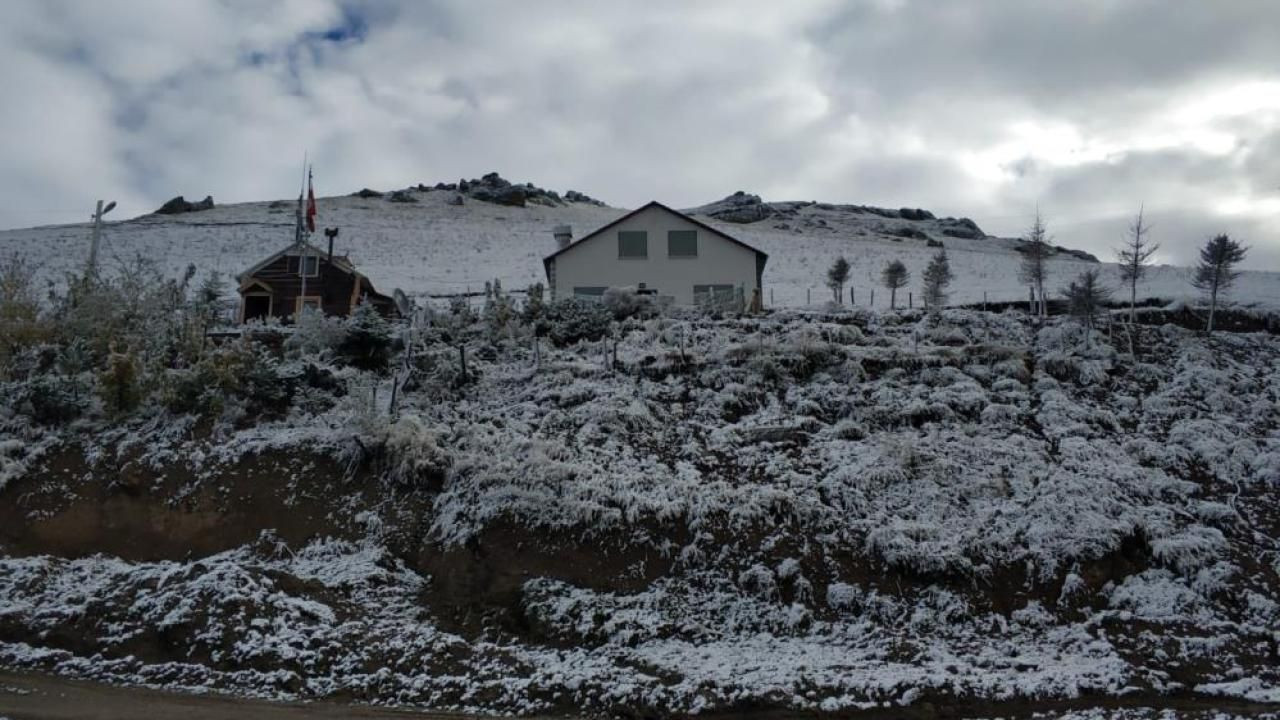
(537, 353)
(910, 301)
(808, 296)
(984, 301)
(615, 356)
(462, 361)
(873, 297)
(1031, 301)
(770, 297)
(853, 299)
(682, 358)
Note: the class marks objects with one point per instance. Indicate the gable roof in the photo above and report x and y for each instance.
(761, 256)
(339, 261)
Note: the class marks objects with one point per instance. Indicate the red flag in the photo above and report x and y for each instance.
(311, 206)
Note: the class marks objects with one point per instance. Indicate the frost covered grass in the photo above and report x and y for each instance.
(817, 510)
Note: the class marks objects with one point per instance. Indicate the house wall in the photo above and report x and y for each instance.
(594, 262)
(333, 285)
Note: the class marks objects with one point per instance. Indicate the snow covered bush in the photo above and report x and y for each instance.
(367, 342)
(571, 320)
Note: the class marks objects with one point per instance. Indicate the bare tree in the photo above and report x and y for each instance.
(837, 276)
(1086, 299)
(937, 276)
(894, 276)
(1035, 258)
(1134, 257)
(1216, 272)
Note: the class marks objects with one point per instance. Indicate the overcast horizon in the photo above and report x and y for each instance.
(986, 110)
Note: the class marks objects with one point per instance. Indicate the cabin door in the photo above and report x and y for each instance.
(257, 307)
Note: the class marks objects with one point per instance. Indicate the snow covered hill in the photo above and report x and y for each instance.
(426, 245)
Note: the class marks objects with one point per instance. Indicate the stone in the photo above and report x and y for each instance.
(180, 205)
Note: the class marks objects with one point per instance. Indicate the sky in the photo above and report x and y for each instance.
(1086, 110)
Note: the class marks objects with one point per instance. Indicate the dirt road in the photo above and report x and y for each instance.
(32, 696)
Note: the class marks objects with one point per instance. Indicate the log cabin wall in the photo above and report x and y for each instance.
(333, 284)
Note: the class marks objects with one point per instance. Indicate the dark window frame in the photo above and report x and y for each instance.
(633, 235)
(671, 237)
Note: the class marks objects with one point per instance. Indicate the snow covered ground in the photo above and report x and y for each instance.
(436, 248)
(816, 510)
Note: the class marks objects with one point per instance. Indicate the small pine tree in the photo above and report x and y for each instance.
(937, 277)
(1216, 273)
(1035, 257)
(837, 276)
(118, 383)
(498, 309)
(1134, 258)
(1086, 299)
(367, 344)
(894, 276)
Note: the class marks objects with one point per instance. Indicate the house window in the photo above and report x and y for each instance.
(589, 292)
(310, 262)
(714, 294)
(308, 302)
(633, 244)
(682, 243)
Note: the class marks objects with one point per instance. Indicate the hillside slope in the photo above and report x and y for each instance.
(426, 245)
(808, 511)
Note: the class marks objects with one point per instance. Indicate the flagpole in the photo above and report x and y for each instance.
(302, 261)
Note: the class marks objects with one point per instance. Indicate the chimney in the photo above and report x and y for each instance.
(564, 236)
(331, 233)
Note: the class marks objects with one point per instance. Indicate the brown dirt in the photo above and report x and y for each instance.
(35, 696)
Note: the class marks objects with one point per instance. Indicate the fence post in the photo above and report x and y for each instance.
(1031, 300)
(808, 296)
(853, 300)
(873, 297)
(910, 301)
(984, 301)
(462, 362)
(770, 297)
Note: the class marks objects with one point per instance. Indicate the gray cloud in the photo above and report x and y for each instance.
(986, 110)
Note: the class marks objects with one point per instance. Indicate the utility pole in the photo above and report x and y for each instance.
(96, 235)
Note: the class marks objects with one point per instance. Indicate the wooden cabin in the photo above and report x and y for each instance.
(274, 287)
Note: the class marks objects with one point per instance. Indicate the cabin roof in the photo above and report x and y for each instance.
(761, 256)
(341, 262)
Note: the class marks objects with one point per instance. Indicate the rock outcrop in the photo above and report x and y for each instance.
(180, 205)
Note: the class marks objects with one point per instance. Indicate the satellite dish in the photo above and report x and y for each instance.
(403, 303)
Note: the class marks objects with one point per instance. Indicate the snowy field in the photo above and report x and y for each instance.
(430, 247)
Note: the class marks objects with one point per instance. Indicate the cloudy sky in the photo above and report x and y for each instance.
(984, 109)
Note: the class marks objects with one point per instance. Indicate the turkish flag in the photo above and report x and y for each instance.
(311, 207)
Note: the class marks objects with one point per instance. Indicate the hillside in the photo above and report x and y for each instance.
(818, 511)
(416, 240)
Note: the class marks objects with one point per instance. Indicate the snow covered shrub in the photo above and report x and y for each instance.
(499, 310)
(21, 325)
(625, 302)
(1000, 415)
(367, 342)
(51, 400)
(315, 333)
(737, 401)
(1013, 369)
(571, 320)
(119, 384)
(242, 371)
(849, 430)
(412, 455)
(844, 597)
(760, 582)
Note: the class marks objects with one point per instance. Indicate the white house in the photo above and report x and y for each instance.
(668, 253)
